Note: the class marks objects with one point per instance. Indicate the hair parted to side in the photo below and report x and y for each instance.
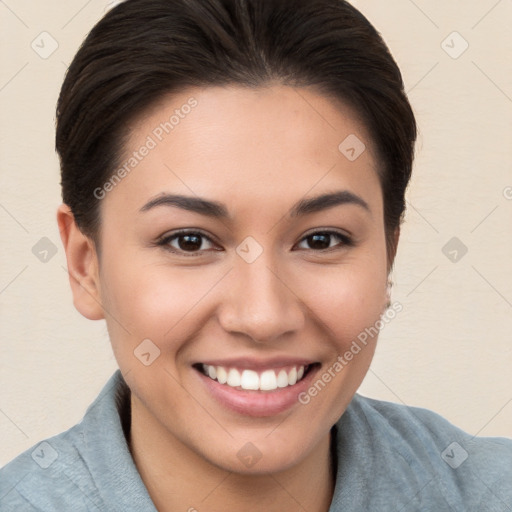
(145, 49)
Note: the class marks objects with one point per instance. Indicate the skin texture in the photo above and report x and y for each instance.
(257, 151)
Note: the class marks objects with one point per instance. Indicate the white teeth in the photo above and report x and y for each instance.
(212, 372)
(268, 380)
(251, 380)
(233, 378)
(282, 379)
(222, 375)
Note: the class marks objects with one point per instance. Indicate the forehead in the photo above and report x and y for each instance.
(245, 146)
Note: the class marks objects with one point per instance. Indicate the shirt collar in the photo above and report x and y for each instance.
(106, 452)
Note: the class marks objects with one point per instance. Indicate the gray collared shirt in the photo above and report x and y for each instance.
(390, 457)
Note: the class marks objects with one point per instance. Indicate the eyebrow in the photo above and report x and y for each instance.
(217, 210)
(193, 204)
(325, 201)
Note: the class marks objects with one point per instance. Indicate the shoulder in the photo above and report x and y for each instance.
(422, 428)
(44, 476)
(418, 448)
(86, 468)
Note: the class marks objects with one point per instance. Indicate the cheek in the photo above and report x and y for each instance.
(152, 301)
(347, 305)
(347, 300)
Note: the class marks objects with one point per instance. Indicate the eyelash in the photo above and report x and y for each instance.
(164, 242)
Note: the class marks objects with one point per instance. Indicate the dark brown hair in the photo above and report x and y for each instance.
(145, 49)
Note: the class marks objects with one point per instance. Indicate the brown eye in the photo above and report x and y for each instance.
(323, 240)
(186, 242)
(189, 242)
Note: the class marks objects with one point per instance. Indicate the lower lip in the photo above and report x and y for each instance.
(257, 403)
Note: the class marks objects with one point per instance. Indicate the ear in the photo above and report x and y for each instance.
(83, 267)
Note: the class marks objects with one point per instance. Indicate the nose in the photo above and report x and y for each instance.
(260, 302)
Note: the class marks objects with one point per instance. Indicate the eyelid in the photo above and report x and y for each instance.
(184, 231)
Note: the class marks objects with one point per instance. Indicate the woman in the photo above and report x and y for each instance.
(233, 177)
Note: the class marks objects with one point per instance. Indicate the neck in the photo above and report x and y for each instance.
(177, 478)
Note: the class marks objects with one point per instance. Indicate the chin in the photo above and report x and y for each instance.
(264, 454)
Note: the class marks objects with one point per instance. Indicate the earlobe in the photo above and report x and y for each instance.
(83, 265)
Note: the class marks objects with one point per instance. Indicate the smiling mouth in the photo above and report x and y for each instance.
(251, 380)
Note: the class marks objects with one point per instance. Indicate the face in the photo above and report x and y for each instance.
(243, 244)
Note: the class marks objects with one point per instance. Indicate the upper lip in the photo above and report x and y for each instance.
(251, 363)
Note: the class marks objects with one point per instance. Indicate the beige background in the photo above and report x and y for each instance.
(449, 350)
